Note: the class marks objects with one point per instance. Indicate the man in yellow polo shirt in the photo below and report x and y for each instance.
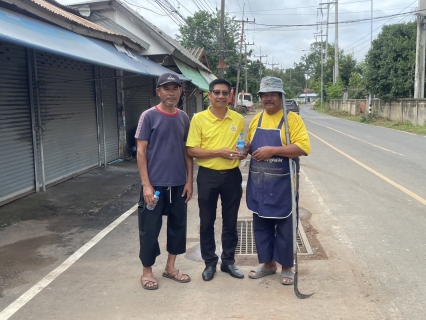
(268, 192)
(212, 140)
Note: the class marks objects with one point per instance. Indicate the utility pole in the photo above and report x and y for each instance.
(245, 45)
(322, 69)
(222, 65)
(260, 58)
(239, 58)
(326, 30)
(322, 66)
(371, 25)
(336, 43)
(272, 64)
(370, 98)
(419, 80)
(326, 38)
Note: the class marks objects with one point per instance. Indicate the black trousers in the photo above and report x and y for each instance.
(172, 204)
(211, 184)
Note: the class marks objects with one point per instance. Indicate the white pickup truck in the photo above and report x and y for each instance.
(245, 101)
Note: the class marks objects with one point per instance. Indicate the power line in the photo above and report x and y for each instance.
(379, 27)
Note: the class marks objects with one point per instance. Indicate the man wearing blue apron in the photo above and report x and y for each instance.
(269, 186)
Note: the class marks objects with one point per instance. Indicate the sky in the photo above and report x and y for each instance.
(282, 31)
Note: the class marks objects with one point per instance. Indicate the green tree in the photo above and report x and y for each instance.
(203, 30)
(390, 63)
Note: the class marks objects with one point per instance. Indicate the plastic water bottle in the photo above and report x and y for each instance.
(241, 143)
(156, 197)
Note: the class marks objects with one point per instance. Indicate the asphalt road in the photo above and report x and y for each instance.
(363, 197)
(372, 180)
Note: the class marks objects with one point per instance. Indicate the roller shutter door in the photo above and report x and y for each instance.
(109, 121)
(16, 146)
(68, 116)
(137, 92)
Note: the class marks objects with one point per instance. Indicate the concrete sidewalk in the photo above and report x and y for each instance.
(104, 283)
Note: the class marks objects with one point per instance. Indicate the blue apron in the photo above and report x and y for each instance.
(269, 186)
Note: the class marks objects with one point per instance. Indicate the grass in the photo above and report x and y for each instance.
(373, 120)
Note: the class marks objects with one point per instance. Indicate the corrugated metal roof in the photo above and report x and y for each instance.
(72, 17)
(165, 36)
(196, 78)
(208, 76)
(31, 33)
(108, 23)
(196, 52)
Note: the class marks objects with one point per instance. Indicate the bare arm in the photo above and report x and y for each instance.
(148, 190)
(290, 151)
(188, 189)
(201, 153)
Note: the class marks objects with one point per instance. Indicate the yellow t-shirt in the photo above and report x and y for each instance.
(210, 133)
(298, 133)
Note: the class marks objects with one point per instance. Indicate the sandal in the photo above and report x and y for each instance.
(288, 275)
(149, 283)
(177, 276)
(261, 272)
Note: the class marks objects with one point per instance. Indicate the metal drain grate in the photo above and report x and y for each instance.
(246, 245)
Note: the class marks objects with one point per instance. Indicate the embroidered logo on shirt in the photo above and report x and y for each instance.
(233, 128)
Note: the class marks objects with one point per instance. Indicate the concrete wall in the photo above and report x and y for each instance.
(411, 110)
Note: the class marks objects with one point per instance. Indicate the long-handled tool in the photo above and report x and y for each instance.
(293, 209)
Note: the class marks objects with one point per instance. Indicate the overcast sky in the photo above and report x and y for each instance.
(283, 29)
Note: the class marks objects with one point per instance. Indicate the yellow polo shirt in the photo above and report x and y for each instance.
(298, 133)
(210, 133)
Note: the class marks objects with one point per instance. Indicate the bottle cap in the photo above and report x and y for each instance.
(157, 193)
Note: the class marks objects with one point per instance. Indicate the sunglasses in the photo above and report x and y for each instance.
(218, 92)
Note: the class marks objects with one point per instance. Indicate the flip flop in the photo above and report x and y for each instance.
(148, 280)
(261, 272)
(288, 275)
(177, 276)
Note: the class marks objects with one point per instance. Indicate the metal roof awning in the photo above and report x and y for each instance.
(196, 78)
(208, 76)
(27, 32)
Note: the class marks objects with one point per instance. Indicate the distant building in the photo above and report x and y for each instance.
(307, 97)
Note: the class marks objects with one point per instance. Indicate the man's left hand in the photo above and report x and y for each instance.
(263, 153)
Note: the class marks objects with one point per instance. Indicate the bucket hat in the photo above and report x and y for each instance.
(271, 84)
(168, 78)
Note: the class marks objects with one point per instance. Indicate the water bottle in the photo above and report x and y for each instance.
(241, 143)
(156, 197)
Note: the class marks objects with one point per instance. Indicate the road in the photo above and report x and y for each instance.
(371, 180)
(363, 205)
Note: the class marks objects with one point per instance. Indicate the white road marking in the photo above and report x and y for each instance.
(374, 145)
(381, 176)
(43, 283)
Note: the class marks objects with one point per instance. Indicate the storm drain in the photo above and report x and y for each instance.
(246, 245)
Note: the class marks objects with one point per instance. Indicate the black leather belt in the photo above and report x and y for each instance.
(218, 171)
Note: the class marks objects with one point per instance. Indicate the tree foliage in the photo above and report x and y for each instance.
(203, 30)
(390, 63)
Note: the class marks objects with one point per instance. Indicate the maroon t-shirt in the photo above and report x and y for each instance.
(166, 135)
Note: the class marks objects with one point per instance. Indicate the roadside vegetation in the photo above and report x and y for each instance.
(373, 120)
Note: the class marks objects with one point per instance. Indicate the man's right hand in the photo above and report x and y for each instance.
(148, 195)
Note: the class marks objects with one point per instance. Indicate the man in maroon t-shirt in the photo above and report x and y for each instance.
(164, 166)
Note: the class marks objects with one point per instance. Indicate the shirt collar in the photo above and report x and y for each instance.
(213, 118)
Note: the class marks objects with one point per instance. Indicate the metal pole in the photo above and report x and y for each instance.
(371, 25)
(326, 35)
(222, 36)
(419, 80)
(336, 43)
(322, 70)
(294, 213)
(239, 62)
